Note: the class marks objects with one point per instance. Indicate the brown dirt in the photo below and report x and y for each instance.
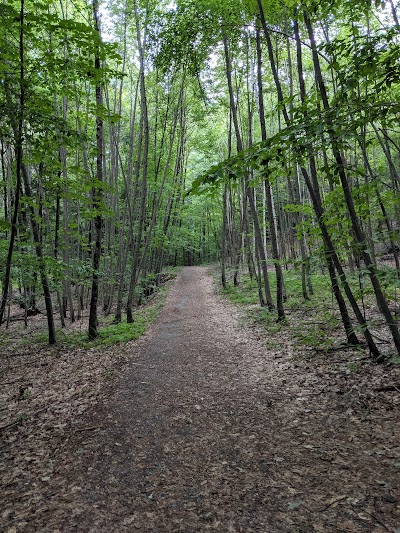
(207, 430)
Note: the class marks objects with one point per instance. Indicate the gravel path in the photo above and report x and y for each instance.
(204, 432)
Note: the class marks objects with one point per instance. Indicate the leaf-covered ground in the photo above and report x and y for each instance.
(202, 425)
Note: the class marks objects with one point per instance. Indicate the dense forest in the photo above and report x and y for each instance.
(200, 266)
(137, 135)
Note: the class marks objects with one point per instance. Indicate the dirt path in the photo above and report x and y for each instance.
(207, 431)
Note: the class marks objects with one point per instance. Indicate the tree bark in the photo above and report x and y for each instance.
(97, 190)
(18, 131)
(357, 230)
(247, 192)
(145, 162)
(268, 192)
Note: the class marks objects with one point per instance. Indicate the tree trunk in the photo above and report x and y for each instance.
(18, 133)
(268, 193)
(145, 162)
(357, 230)
(97, 190)
(247, 192)
(223, 239)
(331, 254)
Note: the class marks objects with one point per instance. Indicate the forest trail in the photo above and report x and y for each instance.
(207, 431)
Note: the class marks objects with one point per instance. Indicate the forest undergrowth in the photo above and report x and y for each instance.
(47, 392)
(46, 389)
(313, 324)
(340, 381)
(31, 368)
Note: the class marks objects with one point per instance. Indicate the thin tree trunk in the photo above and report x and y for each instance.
(319, 212)
(97, 191)
(268, 193)
(357, 230)
(247, 192)
(18, 133)
(145, 157)
(223, 239)
(39, 254)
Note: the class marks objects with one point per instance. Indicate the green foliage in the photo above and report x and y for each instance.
(188, 123)
(187, 33)
(354, 367)
(312, 335)
(245, 295)
(117, 333)
(310, 323)
(110, 334)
